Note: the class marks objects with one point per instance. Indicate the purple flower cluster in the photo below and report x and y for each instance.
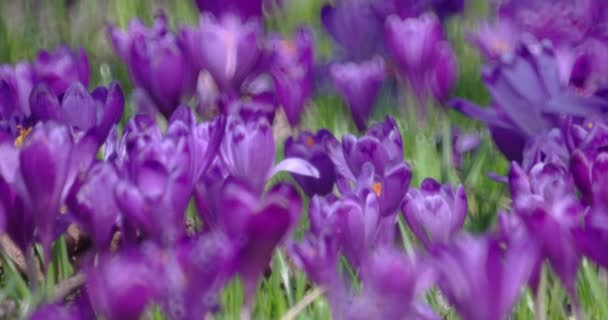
(66, 161)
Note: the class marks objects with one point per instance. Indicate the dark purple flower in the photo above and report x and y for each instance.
(309, 146)
(16, 83)
(93, 113)
(527, 99)
(355, 27)
(317, 255)
(18, 222)
(226, 47)
(257, 225)
(359, 84)
(92, 201)
(60, 68)
(478, 279)
(386, 174)
(435, 212)
(122, 286)
(292, 73)
(248, 153)
(54, 312)
(157, 62)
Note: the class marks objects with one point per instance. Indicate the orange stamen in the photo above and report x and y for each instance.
(377, 188)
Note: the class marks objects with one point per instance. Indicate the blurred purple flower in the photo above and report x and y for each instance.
(309, 146)
(355, 27)
(435, 213)
(359, 85)
(463, 143)
(226, 47)
(527, 99)
(157, 62)
(387, 174)
(478, 279)
(248, 153)
(245, 9)
(292, 73)
(257, 225)
(61, 68)
(16, 83)
(494, 39)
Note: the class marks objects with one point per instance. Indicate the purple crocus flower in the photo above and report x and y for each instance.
(588, 140)
(257, 225)
(226, 47)
(463, 143)
(424, 56)
(355, 26)
(545, 200)
(16, 83)
(93, 113)
(49, 162)
(478, 279)
(435, 212)
(127, 276)
(92, 202)
(494, 39)
(54, 312)
(386, 174)
(317, 255)
(157, 62)
(359, 84)
(60, 68)
(527, 99)
(393, 285)
(292, 73)
(248, 153)
(309, 146)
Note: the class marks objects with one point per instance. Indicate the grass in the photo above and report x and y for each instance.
(27, 26)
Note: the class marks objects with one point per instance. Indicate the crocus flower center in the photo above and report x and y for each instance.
(310, 141)
(23, 132)
(288, 48)
(377, 188)
(500, 46)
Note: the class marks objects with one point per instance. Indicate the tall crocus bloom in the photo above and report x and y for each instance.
(49, 161)
(359, 84)
(116, 280)
(226, 47)
(89, 113)
(92, 201)
(355, 27)
(157, 62)
(309, 147)
(259, 225)
(478, 279)
(248, 152)
(386, 173)
(545, 200)
(292, 73)
(435, 212)
(424, 56)
(527, 99)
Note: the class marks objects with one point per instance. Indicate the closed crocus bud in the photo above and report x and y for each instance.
(292, 73)
(49, 161)
(444, 73)
(226, 47)
(156, 61)
(60, 68)
(479, 279)
(92, 201)
(413, 42)
(359, 85)
(309, 147)
(122, 286)
(435, 212)
(248, 153)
